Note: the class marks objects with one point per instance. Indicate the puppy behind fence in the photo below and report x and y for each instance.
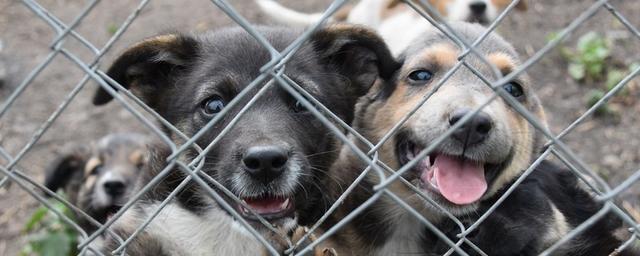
(276, 69)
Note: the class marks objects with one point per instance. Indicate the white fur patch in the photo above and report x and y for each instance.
(367, 12)
(412, 24)
(558, 229)
(183, 233)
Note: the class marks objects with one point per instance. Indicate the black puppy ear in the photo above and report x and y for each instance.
(357, 52)
(148, 66)
(64, 169)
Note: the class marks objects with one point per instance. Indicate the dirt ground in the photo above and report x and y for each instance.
(610, 145)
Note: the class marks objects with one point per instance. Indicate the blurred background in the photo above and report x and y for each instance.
(568, 80)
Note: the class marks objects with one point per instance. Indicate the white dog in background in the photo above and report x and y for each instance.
(396, 22)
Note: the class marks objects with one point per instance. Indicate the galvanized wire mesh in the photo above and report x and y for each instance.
(274, 71)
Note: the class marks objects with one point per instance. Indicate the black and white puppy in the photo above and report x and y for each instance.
(99, 178)
(273, 157)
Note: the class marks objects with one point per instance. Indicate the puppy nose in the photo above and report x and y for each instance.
(114, 188)
(478, 8)
(265, 162)
(475, 130)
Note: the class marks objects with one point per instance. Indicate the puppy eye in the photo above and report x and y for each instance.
(96, 170)
(421, 75)
(298, 107)
(213, 105)
(514, 89)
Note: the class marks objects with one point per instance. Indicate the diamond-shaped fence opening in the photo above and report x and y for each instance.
(72, 48)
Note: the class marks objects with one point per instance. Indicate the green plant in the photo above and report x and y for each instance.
(590, 64)
(613, 78)
(588, 60)
(112, 29)
(593, 97)
(48, 234)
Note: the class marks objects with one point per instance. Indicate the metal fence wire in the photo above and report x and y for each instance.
(274, 71)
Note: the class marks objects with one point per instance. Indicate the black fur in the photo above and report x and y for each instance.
(65, 170)
(518, 224)
(176, 74)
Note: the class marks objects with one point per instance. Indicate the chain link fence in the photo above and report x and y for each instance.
(274, 71)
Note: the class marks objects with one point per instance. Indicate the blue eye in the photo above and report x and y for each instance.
(421, 75)
(514, 89)
(96, 170)
(213, 105)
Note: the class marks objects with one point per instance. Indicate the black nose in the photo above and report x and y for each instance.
(478, 8)
(114, 188)
(474, 131)
(265, 162)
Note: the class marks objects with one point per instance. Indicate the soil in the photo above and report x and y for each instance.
(609, 144)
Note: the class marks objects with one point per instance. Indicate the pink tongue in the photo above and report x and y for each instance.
(266, 205)
(459, 181)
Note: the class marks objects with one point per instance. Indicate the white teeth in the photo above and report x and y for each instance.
(428, 159)
(244, 210)
(284, 204)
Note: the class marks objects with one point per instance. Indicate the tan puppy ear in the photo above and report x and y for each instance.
(146, 67)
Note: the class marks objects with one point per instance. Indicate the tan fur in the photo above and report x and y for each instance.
(343, 13)
(295, 237)
(158, 41)
(89, 182)
(324, 249)
(441, 5)
(91, 164)
(376, 116)
(444, 55)
(394, 7)
(521, 6)
(401, 101)
(342, 29)
(502, 61)
(136, 157)
(522, 157)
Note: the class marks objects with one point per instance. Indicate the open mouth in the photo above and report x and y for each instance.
(459, 180)
(268, 206)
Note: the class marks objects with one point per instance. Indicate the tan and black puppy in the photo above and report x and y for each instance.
(273, 157)
(101, 177)
(470, 169)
